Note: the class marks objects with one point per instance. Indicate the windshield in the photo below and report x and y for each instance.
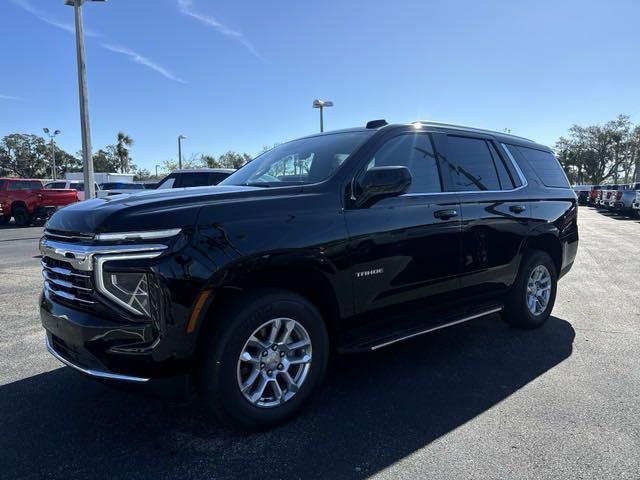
(299, 162)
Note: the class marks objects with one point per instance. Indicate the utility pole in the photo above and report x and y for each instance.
(157, 170)
(52, 137)
(87, 159)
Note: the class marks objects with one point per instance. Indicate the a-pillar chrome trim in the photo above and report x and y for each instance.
(433, 329)
(90, 372)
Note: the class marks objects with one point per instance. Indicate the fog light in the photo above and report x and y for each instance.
(131, 290)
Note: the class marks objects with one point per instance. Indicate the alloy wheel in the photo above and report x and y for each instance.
(274, 362)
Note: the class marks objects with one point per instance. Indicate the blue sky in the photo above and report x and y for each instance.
(240, 75)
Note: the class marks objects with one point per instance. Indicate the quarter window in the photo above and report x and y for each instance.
(415, 152)
(546, 166)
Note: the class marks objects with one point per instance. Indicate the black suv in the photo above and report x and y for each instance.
(346, 241)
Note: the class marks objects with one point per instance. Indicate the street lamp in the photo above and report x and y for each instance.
(321, 104)
(180, 138)
(52, 136)
(87, 159)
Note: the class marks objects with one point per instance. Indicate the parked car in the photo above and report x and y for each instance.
(70, 185)
(200, 177)
(623, 200)
(25, 200)
(346, 241)
(116, 188)
(594, 194)
(583, 192)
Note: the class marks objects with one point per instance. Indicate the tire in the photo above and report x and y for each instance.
(517, 312)
(4, 219)
(220, 370)
(22, 217)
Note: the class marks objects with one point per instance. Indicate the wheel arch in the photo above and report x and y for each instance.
(311, 278)
(547, 242)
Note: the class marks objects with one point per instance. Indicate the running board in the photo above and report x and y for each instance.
(390, 335)
(439, 327)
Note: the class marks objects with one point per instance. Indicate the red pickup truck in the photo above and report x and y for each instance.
(26, 200)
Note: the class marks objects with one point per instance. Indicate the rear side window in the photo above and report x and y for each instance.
(216, 177)
(472, 163)
(198, 179)
(56, 185)
(545, 165)
(25, 185)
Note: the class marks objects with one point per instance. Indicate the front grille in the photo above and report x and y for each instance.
(66, 283)
(67, 237)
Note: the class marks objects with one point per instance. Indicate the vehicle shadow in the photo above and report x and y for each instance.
(620, 216)
(375, 410)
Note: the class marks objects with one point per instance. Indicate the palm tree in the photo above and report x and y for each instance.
(122, 152)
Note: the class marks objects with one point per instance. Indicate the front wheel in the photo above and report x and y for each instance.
(533, 294)
(267, 360)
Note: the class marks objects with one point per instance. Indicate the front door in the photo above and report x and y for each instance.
(405, 250)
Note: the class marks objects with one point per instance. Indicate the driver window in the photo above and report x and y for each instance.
(415, 152)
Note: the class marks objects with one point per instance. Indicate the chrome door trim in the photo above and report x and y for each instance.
(439, 327)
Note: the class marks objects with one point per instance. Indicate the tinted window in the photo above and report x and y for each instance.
(168, 182)
(506, 180)
(1, 184)
(546, 167)
(25, 185)
(416, 153)
(472, 164)
(195, 179)
(56, 185)
(216, 177)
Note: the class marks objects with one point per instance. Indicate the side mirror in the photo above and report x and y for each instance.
(383, 182)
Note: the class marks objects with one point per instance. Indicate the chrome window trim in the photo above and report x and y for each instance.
(90, 372)
(100, 287)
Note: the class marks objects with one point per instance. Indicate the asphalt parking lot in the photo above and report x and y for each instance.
(476, 401)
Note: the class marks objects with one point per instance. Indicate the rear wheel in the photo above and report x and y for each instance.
(268, 359)
(22, 217)
(533, 295)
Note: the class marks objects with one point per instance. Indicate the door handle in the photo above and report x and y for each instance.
(445, 214)
(517, 208)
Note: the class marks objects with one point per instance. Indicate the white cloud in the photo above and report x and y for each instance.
(142, 60)
(186, 8)
(9, 97)
(67, 27)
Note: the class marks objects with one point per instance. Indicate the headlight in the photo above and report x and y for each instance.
(131, 290)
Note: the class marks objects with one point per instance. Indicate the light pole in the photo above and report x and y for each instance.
(180, 138)
(157, 170)
(52, 136)
(321, 104)
(87, 159)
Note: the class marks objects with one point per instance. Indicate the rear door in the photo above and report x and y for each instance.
(496, 215)
(405, 250)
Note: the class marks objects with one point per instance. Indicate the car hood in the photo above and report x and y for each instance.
(152, 209)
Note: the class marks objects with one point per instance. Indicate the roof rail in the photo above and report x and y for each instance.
(471, 129)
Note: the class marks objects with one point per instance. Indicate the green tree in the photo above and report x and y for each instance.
(29, 156)
(122, 152)
(106, 160)
(229, 159)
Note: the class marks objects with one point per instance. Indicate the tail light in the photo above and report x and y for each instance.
(618, 195)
